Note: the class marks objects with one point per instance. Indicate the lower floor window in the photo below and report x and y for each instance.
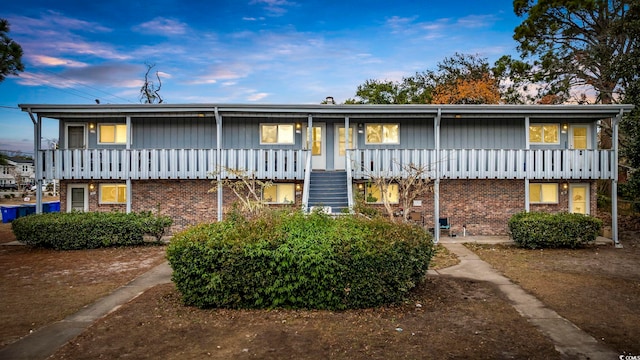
(280, 194)
(374, 194)
(113, 193)
(543, 193)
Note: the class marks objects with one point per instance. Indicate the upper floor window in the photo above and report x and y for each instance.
(543, 193)
(382, 133)
(113, 193)
(277, 134)
(280, 194)
(112, 134)
(544, 133)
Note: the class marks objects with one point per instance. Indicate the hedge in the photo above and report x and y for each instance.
(80, 230)
(293, 260)
(544, 230)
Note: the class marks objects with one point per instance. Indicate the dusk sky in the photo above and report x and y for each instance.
(232, 51)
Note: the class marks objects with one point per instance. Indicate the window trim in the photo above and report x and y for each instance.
(117, 185)
(542, 202)
(293, 134)
(115, 132)
(557, 125)
(382, 142)
(276, 185)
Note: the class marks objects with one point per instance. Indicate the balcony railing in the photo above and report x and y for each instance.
(142, 164)
(487, 163)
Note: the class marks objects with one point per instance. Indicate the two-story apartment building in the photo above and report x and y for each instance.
(486, 162)
(17, 173)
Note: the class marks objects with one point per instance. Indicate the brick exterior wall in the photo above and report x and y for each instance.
(483, 206)
(187, 202)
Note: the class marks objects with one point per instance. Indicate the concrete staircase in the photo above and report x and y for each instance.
(329, 189)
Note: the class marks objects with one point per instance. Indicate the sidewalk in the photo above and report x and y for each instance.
(45, 341)
(568, 338)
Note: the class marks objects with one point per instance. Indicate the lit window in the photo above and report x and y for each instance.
(543, 193)
(112, 133)
(382, 133)
(277, 134)
(374, 195)
(113, 193)
(544, 133)
(280, 194)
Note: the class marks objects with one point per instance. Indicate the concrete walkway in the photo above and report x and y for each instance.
(47, 340)
(569, 340)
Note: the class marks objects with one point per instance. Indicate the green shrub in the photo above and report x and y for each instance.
(293, 260)
(544, 230)
(78, 230)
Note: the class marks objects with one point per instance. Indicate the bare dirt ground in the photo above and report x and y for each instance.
(40, 286)
(597, 288)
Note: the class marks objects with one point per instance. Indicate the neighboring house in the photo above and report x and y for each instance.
(487, 162)
(17, 173)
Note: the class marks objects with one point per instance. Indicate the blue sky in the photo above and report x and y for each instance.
(232, 51)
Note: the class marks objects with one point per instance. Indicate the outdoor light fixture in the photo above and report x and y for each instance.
(92, 187)
(298, 128)
(360, 129)
(298, 187)
(360, 186)
(92, 127)
(565, 186)
(565, 127)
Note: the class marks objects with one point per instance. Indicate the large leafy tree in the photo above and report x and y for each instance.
(460, 79)
(630, 141)
(580, 43)
(465, 79)
(10, 53)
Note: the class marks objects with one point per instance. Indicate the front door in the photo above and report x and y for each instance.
(579, 137)
(77, 199)
(318, 146)
(340, 150)
(579, 198)
(76, 137)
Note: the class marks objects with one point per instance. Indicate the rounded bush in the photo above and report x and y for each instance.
(293, 260)
(544, 230)
(79, 230)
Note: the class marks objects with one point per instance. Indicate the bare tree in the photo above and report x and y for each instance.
(413, 181)
(150, 90)
(247, 189)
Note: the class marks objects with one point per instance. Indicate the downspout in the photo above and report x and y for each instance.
(219, 160)
(615, 122)
(307, 168)
(347, 164)
(526, 158)
(436, 183)
(37, 131)
(128, 164)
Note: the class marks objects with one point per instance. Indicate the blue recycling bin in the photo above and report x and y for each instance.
(28, 209)
(9, 213)
(51, 206)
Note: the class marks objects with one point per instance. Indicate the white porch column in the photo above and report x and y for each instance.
(436, 182)
(615, 122)
(37, 134)
(219, 161)
(526, 178)
(128, 163)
